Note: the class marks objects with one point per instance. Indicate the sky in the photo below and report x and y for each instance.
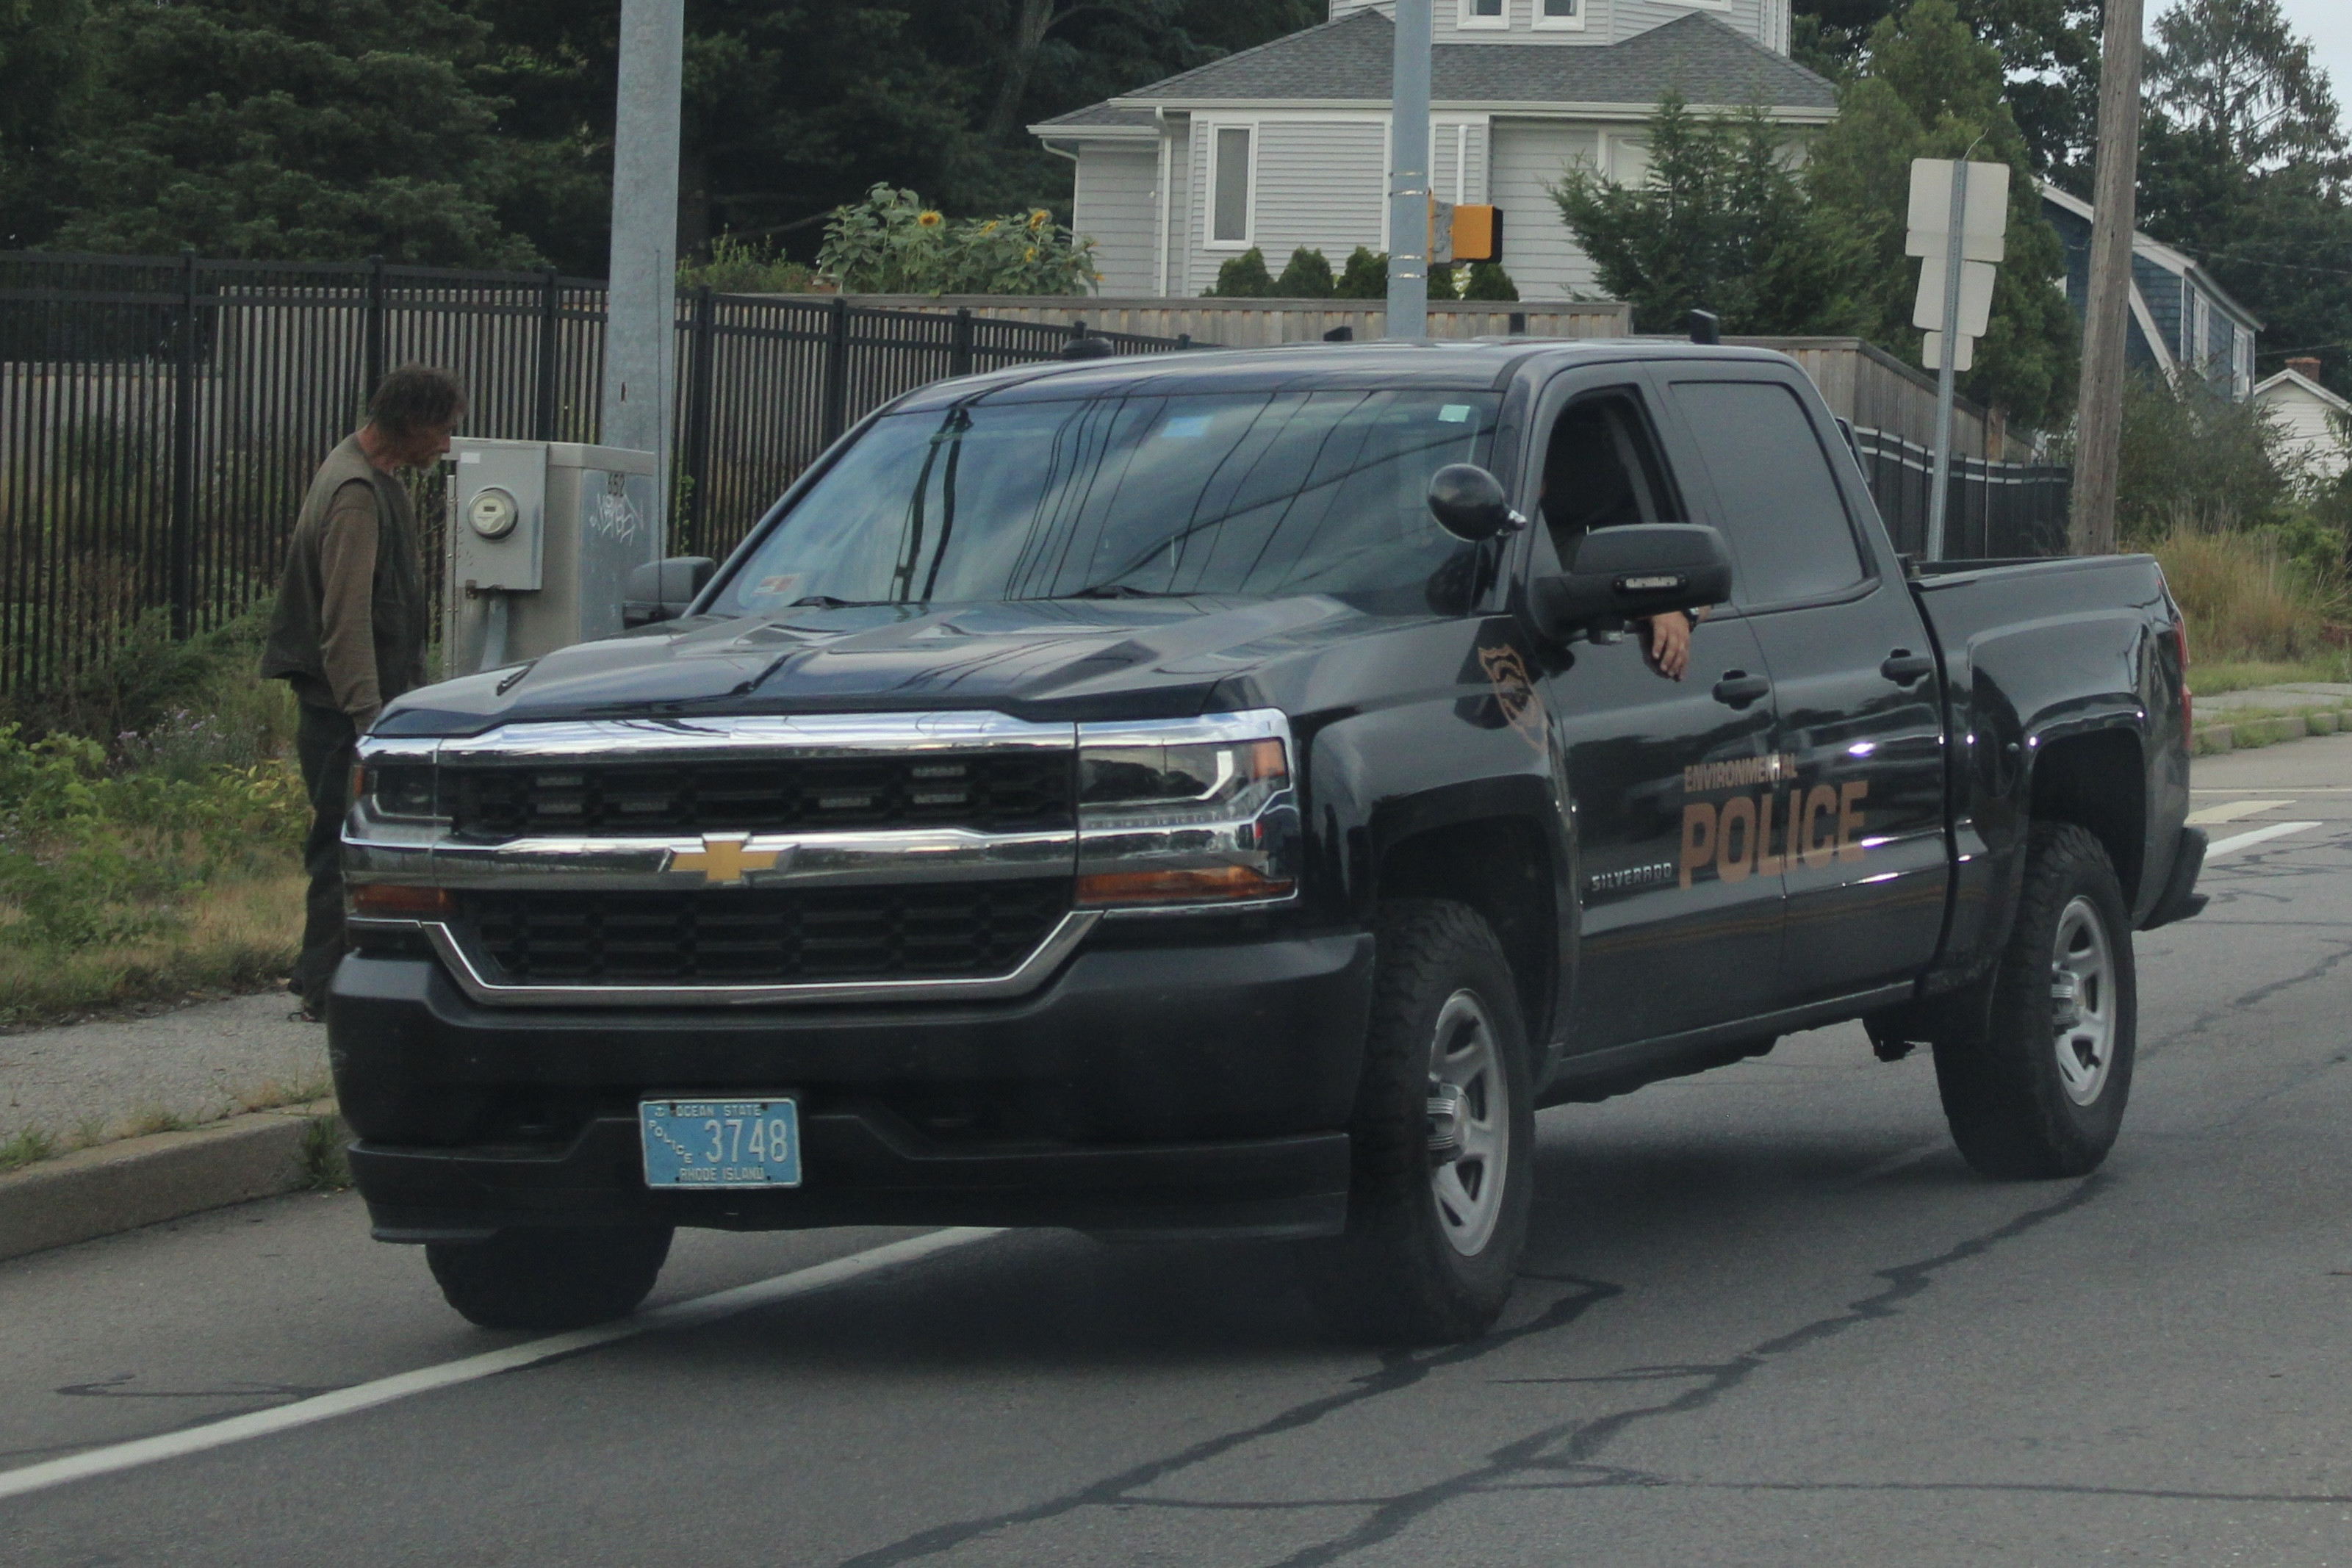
(2328, 24)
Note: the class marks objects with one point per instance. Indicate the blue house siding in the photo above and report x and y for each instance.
(2198, 327)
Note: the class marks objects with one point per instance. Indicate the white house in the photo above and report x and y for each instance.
(2313, 424)
(1285, 145)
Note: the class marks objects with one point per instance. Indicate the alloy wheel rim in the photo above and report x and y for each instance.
(2083, 1002)
(1466, 1058)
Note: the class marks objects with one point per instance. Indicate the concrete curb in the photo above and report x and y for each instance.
(145, 1181)
(2209, 738)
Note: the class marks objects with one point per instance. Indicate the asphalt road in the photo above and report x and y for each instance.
(1769, 1318)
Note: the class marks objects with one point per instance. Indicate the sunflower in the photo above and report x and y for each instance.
(1030, 254)
(1039, 218)
(930, 220)
(992, 225)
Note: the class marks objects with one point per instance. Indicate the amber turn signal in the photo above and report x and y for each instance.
(1219, 884)
(401, 901)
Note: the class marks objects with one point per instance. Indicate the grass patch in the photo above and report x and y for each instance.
(2211, 678)
(29, 1147)
(324, 1170)
(2248, 601)
(235, 936)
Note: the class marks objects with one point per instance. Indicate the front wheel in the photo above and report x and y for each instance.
(1443, 1140)
(2034, 1085)
(551, 1279)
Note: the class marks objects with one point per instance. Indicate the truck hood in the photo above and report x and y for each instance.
(1045, 659)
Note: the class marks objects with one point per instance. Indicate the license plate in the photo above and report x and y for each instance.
(720, 1142)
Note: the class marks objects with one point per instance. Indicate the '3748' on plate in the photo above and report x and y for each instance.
(721, 1142)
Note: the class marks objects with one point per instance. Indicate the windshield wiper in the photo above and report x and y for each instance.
(827, 602)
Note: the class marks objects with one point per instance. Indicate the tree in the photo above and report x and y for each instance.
(2244, 164)
(2049, 53)
(291, 130)
(1487, 281)
(1721, 222)
(1366, 275)
(1242, 276)
(43, 73)
(1929, 90)
(1307, 276)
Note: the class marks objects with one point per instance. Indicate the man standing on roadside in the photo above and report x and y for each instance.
(350, 628)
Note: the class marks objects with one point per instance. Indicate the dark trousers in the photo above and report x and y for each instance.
(327, 744)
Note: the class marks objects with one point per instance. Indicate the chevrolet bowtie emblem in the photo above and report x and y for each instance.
(723, 860)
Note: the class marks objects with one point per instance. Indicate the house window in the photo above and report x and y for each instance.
(1560, 15)
(1229, 185)
(1483, 14)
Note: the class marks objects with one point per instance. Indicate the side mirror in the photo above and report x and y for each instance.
(1468, 503)
(665, 590)
(1630, 571)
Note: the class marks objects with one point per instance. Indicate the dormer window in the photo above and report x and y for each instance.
(1563, 16)
(1483, 14)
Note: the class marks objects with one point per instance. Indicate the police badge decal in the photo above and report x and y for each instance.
(1514, 691)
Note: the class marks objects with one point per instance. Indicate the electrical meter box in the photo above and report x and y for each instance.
(543, 536)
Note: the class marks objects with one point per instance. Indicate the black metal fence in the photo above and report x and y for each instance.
(160, 418)
(1993, 509)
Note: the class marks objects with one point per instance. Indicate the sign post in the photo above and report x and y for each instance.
(640, 300)
(1958, 226)
(1409, 192)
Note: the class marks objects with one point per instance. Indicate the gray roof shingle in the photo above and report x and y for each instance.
(1351, 60)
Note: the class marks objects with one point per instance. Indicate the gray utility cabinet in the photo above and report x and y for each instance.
(541, 538)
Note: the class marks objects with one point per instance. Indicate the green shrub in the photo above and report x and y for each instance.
(1242, 276)
(1366, 275)
(892, 244)
(1307, 276)
(1489, 281)
(1445, 282)
(738, 266)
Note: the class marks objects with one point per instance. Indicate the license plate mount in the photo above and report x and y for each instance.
(702, 1142)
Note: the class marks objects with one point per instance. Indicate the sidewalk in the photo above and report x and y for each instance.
(84, 1083)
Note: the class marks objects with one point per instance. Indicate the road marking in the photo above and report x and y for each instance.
(686, 1315)
(2259, 835)
(2231, 810)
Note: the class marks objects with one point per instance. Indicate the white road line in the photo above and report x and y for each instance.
(2259, 835)
(2231, 810)
(690, 1313)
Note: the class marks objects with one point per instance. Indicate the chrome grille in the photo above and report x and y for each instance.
(990, 792)
(758, 935)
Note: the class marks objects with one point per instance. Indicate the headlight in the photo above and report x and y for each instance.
(402, 791)
(1187, 813)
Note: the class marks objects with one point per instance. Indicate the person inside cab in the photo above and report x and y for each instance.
(1596, 474)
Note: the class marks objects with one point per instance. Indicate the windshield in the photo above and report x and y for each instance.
(1255, 493)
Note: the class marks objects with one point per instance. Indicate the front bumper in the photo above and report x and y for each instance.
(1183, 1090)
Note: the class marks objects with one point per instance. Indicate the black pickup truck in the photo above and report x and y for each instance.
(1228, 794)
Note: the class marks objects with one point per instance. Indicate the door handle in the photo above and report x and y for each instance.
(1907, 668)
(1738, 688)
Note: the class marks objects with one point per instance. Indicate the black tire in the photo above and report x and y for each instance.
(2024, 1102)
(549, 1280)
(1401, 1274)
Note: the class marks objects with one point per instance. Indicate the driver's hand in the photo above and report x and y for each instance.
(1666, 645)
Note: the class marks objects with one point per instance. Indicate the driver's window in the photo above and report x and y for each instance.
(1601, 469)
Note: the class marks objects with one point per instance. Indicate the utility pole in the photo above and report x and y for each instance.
(641, 300)
(1409, 176)
(2106, 314)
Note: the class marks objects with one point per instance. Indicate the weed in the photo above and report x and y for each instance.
(148, 1123)
(30, 1146)
(324, 1169)
(89, 1131)
(2246, 598)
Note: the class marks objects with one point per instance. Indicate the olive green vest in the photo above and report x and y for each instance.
(401, 615)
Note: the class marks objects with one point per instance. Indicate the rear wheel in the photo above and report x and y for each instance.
(549, 1280)
(2034, 1084)
(1442, 1134)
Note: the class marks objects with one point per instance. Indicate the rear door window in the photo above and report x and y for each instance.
(1792, 540)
